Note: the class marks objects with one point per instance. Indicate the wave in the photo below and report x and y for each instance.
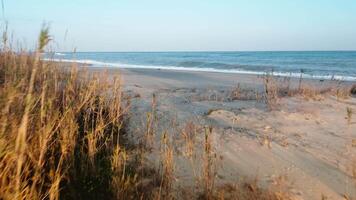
(227, 66)
(207, 69)
(59, 54)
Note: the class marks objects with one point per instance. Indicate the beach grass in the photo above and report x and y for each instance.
(58, 128)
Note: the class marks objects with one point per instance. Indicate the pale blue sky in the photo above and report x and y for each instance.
(194, 25)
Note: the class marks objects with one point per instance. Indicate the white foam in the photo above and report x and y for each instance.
(194, 69)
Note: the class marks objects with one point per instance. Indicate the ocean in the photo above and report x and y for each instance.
(339, 65)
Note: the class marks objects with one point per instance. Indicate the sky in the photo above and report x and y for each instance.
(185, 25)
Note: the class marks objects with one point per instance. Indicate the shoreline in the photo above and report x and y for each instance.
(296, 75)
(151, 78)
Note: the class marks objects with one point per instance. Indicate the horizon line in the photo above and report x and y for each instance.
(201, 51)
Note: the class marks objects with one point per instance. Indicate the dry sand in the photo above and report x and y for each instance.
(306, 145)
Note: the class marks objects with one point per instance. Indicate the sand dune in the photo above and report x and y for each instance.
(306, 144)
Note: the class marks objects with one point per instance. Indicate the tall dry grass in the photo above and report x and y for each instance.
(275, 89)
(59, 126)
(271, 91)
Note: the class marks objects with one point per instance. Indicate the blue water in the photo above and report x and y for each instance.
(321, 65)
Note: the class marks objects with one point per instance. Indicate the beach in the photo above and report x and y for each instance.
(173, 134)
(305, 143)
(178, 100)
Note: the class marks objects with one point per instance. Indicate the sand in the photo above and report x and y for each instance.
(303, 144)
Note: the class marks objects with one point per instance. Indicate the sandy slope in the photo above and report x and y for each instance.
(304, 145)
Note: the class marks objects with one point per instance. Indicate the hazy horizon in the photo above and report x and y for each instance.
(185, 26)
(202, 51)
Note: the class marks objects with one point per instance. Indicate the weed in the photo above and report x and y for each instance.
(353, 90)
(271, 91)
(349, 113)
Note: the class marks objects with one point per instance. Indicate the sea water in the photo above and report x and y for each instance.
(339, 65)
